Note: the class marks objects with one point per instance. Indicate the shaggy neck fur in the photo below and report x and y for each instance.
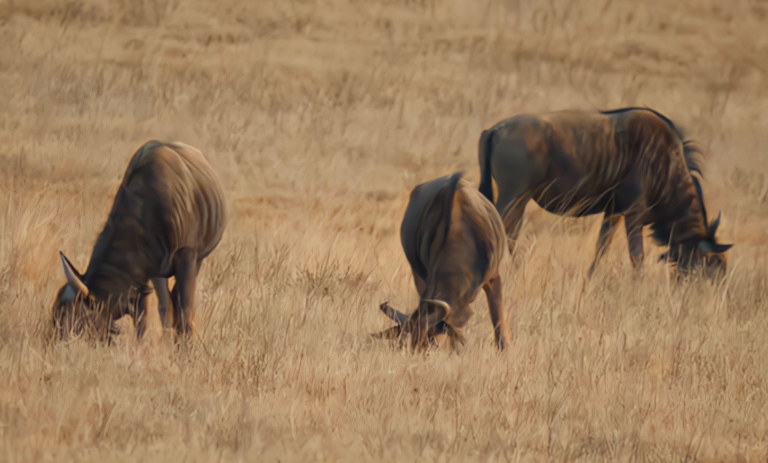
(118, 262)
(677, 217)
(675, 209)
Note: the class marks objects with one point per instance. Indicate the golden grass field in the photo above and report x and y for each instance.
(320, 116)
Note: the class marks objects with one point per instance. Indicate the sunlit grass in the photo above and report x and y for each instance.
(321, 116)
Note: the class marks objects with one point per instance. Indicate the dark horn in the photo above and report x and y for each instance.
(714, 225)
(395, 315)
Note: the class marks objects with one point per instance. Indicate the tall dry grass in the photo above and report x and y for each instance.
(321, 115)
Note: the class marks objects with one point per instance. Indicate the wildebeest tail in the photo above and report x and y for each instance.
(450, 192)
(486, 180)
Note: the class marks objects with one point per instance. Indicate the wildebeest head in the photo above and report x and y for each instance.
(428, 325)
(701, 252)
(76, 311)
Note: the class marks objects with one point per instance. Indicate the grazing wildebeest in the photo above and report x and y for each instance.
(454, 241)
(168, 215)
(631, 162)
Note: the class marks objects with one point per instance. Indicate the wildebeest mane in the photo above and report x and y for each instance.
(680, 214)
(121, 219)
(675, 222)
(691, 151)
(700, 194)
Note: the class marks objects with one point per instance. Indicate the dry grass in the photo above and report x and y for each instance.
(321, 115)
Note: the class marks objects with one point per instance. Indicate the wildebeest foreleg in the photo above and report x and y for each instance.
(607, 230)
(498, 312)
(140, 317)
(512, 217)
(186, 267)
(634, 227)
(421, 285)
(163, 301)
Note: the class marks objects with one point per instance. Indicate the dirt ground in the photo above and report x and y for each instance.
(320, 116)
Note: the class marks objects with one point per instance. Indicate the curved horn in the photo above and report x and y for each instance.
(439, 303)
(443, 311)
(73, 277)
(715, 224)
(395, 315)
(722, 247)
(710, 246)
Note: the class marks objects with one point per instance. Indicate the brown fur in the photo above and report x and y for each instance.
(168, 215)
(631, 162)
(453, 239)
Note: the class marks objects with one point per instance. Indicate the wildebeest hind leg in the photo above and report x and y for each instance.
(185, 270)
(498, 312)
(607, 230)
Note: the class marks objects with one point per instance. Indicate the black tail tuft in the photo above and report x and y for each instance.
(486, 181)
(453, 184)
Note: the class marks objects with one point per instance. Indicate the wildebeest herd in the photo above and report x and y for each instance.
(169, 214)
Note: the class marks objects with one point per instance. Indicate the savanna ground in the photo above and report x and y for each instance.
(320, 116)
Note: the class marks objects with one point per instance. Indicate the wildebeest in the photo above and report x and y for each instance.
(631, 162)
(168, 215)
(454, 241)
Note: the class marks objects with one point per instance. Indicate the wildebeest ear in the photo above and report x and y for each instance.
(395, 315)
(711, 246)
(716, 223)
(73, 276)
(436, 312)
